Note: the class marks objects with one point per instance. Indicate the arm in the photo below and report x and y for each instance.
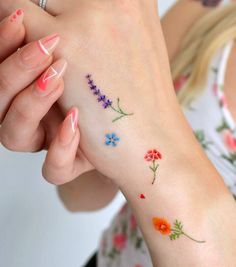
(192, 192)
(133, 66)
(187, 190)
(78, 195)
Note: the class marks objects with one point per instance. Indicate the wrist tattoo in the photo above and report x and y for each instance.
(153, 156)
(210, 3)
(106, 103)
(174, 232)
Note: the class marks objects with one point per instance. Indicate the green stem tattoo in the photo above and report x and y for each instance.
(154, 168)
(177, 231)
(119, 111)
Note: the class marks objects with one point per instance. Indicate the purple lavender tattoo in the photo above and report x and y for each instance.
(106, 103)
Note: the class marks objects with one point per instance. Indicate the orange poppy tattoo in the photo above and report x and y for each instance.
(164, 227)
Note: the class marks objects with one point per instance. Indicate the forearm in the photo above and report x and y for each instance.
(117, 43)
(78, 195)
(188, 189)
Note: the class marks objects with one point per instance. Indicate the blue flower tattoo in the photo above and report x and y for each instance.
(112, 139)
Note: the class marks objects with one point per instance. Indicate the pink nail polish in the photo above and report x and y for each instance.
(69, 125)
(17, 14)
(44, 79)
(33, 54)
(54, 72)
(11, 26)
(73, 118)
(48, 44)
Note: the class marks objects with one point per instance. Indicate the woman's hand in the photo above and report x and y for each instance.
(28, 115)
(121, 44)
(124, 31)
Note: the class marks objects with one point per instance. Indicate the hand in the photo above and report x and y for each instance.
(126, 32)
(28, 116)
(120, 43)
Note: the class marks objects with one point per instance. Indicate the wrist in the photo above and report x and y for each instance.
(182, 171)
(191, 192)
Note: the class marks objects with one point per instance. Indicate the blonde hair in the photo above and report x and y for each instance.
(199, 46)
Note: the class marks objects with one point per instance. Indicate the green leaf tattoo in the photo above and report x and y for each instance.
(120, 111)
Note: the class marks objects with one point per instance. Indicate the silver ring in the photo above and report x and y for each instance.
(42, 4)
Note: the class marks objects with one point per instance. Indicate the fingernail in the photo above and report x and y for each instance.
(11, 25)
(68, 129)
(73, 114)
(35, 53)
(17, 16)
(48, 44)
(52, 74)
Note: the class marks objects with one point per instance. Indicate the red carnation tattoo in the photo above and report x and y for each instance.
(153, 156)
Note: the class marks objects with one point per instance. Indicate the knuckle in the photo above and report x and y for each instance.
(9, 143)
(58, 164)
(21, 110)
(46, 175)
(50, 174)
(55, 173)
(51, 177)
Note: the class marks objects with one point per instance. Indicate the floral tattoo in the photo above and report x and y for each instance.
(164, 227)
(106, 103)
(153, 156)
(112, 139)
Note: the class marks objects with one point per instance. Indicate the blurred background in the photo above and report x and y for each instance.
(35, 228)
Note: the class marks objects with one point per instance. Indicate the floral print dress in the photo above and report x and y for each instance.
(122, 245)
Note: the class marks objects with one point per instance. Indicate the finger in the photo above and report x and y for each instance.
(23, 67)
(36, 20)
(21, 129)
(51, 121)
(59, 166)
(12, 33)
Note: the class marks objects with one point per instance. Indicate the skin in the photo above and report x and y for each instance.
(194, 178)
(72, 194)
(20, 92)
